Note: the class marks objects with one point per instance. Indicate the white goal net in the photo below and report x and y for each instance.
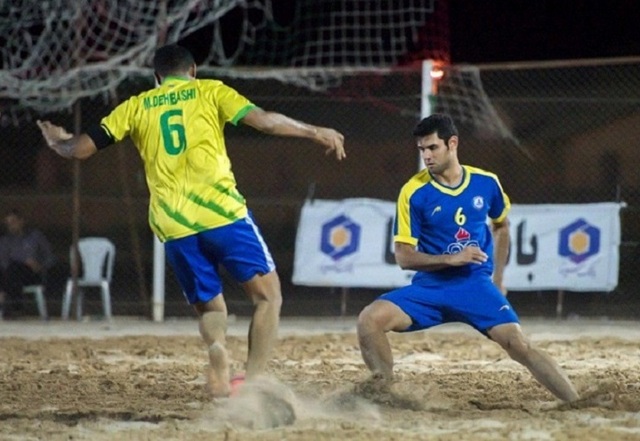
(54, 52)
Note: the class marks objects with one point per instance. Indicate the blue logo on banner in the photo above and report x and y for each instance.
(579, 241)
(340, 237)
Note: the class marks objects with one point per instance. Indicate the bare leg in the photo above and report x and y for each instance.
(213, 328)
(264, 291)
(540, 364)
(374, 322)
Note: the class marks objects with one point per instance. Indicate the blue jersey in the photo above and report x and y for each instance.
(443, 220)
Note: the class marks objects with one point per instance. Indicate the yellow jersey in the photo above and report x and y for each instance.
(178, 131)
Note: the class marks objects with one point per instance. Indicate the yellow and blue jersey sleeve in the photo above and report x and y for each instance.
(405, 228)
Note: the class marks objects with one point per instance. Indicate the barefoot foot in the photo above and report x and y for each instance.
(218, 372)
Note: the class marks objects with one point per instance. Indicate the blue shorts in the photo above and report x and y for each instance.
(195, 259)
(475, 301)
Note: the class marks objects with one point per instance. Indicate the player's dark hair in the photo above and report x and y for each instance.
(438, 123)
(172, 60)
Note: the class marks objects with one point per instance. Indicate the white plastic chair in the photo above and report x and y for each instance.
(97, 255)
(38, 291)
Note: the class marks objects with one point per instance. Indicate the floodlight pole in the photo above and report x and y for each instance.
(159, 257)
(426, 97)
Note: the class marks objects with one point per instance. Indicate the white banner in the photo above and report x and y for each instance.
(348, 243)
(573, 247)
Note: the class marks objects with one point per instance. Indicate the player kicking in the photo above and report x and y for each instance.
(441, 232)
(195, 207)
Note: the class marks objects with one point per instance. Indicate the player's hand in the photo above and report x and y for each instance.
(473, 255)
(333, 141)
(52, 133)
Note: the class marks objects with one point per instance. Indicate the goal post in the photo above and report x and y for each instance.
(158, 288)
(427, 94)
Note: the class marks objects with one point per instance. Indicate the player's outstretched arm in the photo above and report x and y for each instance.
(64, 143)
(275, 123)
(409, 258)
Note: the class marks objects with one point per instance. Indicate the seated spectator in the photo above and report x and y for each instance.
(25, 256)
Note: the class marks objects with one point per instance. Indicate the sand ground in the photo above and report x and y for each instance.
(134, 379)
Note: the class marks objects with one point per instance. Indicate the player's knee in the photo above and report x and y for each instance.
(511, 339)
(276, 302)
(213, 327)
(517, 347)
(272, 297)
(265, 290)
(370, 319)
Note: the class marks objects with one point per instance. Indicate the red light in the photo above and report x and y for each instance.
(437, 73)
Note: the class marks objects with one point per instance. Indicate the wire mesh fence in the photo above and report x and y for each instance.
(562, 133)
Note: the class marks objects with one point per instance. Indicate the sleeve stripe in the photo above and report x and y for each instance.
(404, 239)
(242, 113)
(100, 136)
